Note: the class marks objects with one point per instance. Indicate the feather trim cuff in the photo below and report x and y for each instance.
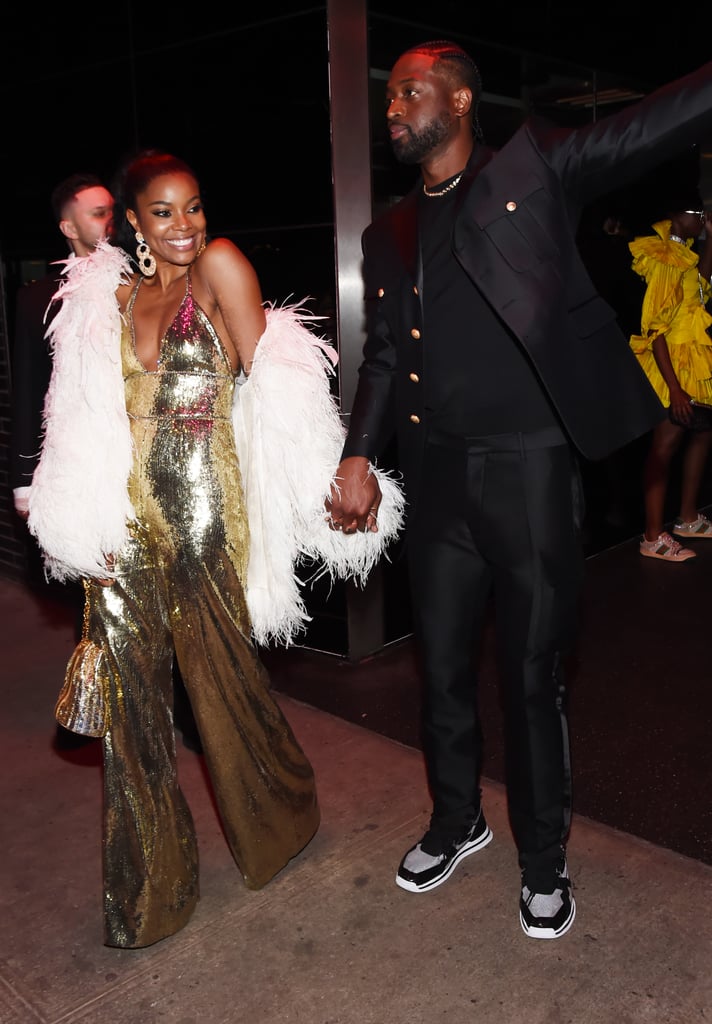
(289, 438)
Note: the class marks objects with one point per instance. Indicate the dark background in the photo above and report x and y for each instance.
(244, 96)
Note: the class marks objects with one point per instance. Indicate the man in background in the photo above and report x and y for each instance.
(83, 209)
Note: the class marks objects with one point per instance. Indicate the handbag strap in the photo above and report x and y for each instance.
(87, 609)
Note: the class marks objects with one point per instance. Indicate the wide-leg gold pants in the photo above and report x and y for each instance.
(263, 784)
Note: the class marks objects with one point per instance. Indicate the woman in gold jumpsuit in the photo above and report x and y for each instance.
(192, 319)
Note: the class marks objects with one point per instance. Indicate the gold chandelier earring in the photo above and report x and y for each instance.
(144, 257)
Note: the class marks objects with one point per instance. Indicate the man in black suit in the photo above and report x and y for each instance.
(493, 359)
(83, 209)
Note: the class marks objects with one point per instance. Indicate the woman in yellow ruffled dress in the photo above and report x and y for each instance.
(675, 351)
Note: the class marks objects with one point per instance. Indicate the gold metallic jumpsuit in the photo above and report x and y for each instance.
(180, 589)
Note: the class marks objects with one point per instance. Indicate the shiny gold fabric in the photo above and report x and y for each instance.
(81, 706)
(181, 587)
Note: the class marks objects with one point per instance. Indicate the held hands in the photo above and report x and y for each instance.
(355, 497)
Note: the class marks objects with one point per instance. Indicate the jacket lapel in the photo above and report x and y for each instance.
(479, 158)
(405, 233)
(405, 215)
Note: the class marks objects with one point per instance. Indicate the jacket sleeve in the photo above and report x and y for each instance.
(372, 421)
(620, 148)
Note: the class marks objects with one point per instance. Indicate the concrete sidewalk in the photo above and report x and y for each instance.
(332, 940)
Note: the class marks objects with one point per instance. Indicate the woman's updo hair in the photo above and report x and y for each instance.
(132, 179)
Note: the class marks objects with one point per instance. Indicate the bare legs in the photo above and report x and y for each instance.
(666, 441)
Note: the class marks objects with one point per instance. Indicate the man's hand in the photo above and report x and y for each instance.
(355, 497)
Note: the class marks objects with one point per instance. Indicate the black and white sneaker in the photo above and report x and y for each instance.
(431, 861)
(547, 907)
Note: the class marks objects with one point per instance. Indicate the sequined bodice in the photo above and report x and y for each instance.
(193, 380)
(185, 483)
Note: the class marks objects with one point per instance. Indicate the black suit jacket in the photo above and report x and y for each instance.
(31, 371)
(515, 236)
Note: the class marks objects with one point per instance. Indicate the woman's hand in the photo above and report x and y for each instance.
(680, 405)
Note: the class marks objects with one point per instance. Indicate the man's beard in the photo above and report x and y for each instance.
(414, 147)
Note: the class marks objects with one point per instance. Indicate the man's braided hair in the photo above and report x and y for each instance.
(458, 66)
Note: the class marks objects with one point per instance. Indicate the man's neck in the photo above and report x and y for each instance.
(447, 165)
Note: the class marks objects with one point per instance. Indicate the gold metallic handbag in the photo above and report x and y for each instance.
(81, 705)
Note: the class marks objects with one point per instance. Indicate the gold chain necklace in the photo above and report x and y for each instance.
(442, 191)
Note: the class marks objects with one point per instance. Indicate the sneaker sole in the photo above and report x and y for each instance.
(693, 536)
(667, 558)
(465, 851)
(549, 933)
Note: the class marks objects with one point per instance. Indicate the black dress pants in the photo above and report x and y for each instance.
(499, 516)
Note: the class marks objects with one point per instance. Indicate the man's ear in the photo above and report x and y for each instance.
(462, 101)
(68, 229)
